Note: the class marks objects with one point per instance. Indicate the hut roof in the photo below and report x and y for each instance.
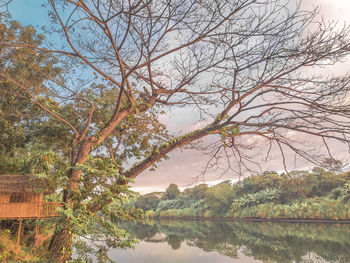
(12, 183)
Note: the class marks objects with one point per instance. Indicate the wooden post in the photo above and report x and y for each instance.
(36, 228)
(19, 231)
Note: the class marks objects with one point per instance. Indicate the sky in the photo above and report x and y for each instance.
(184, 166)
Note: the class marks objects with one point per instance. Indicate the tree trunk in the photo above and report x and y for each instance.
(61, 245)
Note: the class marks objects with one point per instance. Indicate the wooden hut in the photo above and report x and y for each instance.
(21, 197)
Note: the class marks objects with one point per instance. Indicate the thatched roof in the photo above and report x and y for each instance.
(13, 183)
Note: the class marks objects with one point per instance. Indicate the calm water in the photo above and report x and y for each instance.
(244, 242)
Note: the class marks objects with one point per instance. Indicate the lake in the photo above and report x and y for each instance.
(185, 241)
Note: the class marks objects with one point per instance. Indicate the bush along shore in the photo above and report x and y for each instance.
(320, 194)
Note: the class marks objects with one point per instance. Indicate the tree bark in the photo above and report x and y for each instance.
(60, 245)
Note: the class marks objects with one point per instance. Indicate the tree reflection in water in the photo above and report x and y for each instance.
(267, 241)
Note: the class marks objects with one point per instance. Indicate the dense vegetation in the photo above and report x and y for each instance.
(10, 251)
(267, 242)
(319, 194)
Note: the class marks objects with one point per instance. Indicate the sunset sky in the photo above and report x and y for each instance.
(184, 166)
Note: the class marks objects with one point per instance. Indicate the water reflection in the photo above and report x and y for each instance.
(263, 242)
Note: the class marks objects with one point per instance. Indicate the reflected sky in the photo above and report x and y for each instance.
(163, 253)
(205, 241)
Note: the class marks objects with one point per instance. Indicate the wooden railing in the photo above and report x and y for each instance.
(28, 210)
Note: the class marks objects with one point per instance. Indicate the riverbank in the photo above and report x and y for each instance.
(282, 220)
(317, 196)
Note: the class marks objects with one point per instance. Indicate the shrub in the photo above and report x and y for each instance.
(267, 195)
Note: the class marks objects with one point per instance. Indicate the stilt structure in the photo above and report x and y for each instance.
(19, 232)
(21, 198)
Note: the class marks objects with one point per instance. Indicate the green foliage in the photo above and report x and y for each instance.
(219, 198)
(11, 252)
(321, 194)
(342, 193)
(169, 204)
(197, 192)
(147, 202)
(320, 208)
(172, 192)
(263, 196)
(99, 185)
(257, 183)
(24, 127)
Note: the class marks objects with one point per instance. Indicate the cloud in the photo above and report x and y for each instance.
(330, 9)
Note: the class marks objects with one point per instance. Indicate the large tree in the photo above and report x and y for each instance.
(240, 63)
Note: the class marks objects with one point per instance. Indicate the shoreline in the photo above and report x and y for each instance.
(285, 220)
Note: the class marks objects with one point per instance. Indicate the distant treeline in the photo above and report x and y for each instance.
(319, 194)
